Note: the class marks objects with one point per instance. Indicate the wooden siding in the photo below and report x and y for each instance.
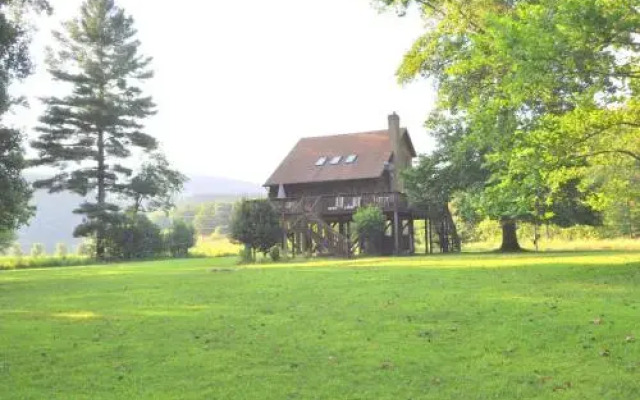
(362, 186)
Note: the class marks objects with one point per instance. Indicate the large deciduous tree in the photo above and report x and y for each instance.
(15, 64)
(545, 88)
(155, 186)
(89, 132)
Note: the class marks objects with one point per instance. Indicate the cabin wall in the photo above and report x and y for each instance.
(361, 186)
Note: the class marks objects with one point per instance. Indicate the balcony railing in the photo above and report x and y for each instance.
(340, 204)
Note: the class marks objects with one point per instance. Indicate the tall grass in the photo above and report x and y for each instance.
(215, 245)
(12, 262)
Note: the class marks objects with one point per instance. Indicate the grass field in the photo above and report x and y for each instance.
(617, 244)
(471, 326)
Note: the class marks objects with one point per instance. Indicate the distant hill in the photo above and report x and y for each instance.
(209, 185)
(54, 220)
(201, 189)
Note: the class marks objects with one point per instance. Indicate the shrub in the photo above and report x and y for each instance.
(256, 224)
(180, 238)
(61, 250)
(37, 250)
(274, 253)
(133, 237)
(369, 226)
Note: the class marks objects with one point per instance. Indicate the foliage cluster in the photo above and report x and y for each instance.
(134, 236)
(534, 98)
(15, 64)
(369, 227)
(256, 225)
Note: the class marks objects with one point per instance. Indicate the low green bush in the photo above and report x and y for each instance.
(274, 253)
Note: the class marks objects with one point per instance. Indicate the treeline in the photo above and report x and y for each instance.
(131, 237)
(618, 219)
(88, 135)
(207, 218)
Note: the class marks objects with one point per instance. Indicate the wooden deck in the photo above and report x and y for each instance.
(336, 205)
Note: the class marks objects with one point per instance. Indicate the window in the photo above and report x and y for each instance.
(335, 160)
(321, 161)
(351, 159)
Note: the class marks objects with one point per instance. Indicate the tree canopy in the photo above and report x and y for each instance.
(537, 92)
(15, 63)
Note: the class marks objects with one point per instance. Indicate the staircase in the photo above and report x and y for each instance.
(446, 233)
(325, 240)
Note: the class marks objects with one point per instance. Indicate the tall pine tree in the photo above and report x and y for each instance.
(88, 133)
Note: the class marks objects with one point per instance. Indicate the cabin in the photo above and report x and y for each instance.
(323, 181)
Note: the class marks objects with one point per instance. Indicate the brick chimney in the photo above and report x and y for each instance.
(396, 146)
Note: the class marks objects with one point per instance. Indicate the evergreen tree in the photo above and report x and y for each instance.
(87, 133)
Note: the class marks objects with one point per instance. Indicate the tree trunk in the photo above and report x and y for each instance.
(509, 236)
(101, 198)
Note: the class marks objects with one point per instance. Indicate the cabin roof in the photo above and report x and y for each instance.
(372, 149)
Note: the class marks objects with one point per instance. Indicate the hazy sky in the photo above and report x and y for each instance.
(239, 82)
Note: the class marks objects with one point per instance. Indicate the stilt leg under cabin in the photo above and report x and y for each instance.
(314, 228)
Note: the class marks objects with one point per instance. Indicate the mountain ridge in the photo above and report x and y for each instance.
(54, 220)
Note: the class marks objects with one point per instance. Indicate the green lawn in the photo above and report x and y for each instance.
(473, 326)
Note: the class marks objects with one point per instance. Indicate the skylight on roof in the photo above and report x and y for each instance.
(321, 161)
(351, 159)
(335, 160)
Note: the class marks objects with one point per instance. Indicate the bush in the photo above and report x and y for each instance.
(180, 238)
(369, 226)
(61, 250)
(256, 224)
(274, 253)
(133, 237)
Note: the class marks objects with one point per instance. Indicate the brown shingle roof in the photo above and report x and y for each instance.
(372, 149)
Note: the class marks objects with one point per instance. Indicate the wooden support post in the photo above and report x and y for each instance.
(430, 236)
(293, 243)
(412, 244)
(396, 232)
(348, 235)
(303, 237)
(285, 232)
(426, 236)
